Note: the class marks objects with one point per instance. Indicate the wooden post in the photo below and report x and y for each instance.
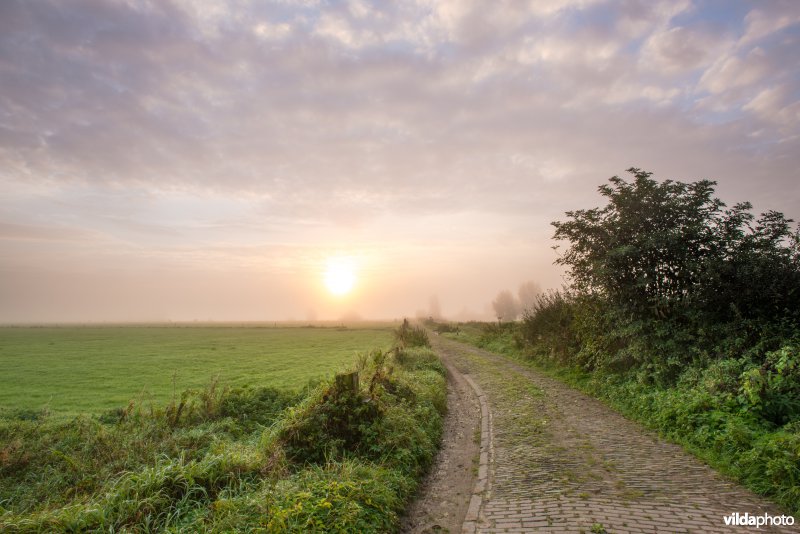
(347, 382)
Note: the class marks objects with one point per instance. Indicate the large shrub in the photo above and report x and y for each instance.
(548, 325)
(659, 248)
(664, 276)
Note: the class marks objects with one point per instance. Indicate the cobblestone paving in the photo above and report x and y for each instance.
(564, 462)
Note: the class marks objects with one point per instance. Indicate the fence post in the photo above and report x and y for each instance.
(347, 382)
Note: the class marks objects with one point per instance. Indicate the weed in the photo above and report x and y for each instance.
(410, 336)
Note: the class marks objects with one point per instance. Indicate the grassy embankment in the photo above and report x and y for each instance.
(250, 458)
(707, 409)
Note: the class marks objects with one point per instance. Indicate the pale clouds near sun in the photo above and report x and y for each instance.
(179, 160)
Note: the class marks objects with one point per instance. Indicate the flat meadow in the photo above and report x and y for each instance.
(232, 429)
(69, 370)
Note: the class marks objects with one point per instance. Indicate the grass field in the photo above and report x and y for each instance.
(72, 370)
(336, 457)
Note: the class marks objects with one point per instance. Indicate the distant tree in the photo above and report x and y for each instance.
(434, 308)
(505, 306)
(527, 295)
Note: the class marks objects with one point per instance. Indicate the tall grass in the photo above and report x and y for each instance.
(241, 459)
(407, 335)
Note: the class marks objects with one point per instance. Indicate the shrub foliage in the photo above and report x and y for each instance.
(662, 248)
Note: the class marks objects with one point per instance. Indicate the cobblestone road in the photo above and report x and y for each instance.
(560, 461)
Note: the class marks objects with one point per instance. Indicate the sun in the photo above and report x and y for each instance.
(340, 275)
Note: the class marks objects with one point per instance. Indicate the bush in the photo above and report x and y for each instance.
(327, 425)
(659, 249)
(440, 327)
(411, 336)
(396, 413)
(773, 389)
(547, 325)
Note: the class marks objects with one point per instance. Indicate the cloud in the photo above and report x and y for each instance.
(176, 95)
(732, 72)
(678, 49)
(776, 104)
(768, 19)
(27, 232)
(185, 131)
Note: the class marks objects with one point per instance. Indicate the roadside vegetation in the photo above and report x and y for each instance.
(683, 314)
(408, 335)
(342, 456)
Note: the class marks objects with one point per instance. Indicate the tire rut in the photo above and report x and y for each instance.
(443, 498)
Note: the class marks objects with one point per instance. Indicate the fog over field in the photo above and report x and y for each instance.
(186, 159)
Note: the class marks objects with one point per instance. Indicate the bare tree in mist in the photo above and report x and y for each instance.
(527, 294)
(505, 306)
(434, 308)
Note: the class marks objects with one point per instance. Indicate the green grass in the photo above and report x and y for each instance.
(335, 459)
(72, 370)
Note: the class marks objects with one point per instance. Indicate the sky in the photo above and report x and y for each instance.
(179, 160)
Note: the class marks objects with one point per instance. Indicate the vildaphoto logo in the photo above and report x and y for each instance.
(746, 520)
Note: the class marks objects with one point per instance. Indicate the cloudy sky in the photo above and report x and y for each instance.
(195, 159)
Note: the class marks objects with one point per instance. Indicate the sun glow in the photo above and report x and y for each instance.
(340, 275)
